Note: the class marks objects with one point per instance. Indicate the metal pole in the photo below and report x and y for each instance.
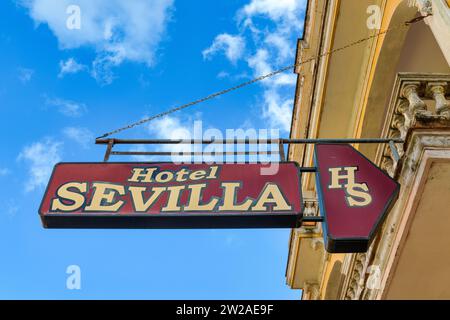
(280, 142)
(198, 153)
(247, 141)
(108, 150)
(394, 150)
(281, 151)
(312, 219)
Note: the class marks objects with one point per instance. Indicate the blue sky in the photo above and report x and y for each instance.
(62, 87)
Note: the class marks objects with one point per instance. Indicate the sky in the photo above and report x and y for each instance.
(73, 70)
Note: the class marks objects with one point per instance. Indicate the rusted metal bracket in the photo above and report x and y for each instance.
(108, 150)
(280, 142)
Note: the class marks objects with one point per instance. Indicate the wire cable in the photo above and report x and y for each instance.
(260, 78)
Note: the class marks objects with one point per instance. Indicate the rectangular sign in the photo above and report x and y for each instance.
(166, 195)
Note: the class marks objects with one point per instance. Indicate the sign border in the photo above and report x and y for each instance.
(170, 220)
(357, 244)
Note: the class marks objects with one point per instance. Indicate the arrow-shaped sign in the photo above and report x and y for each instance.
(354, 197)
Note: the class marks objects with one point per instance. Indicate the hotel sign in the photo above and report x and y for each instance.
(166, 195)
(354, 197)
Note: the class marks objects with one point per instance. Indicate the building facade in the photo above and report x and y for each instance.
(397, 85)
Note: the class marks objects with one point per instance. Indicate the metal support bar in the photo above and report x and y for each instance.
(307, 169)
(313, 219)
(280, 142)
(281, 151)
(394, 151)
(108, 150)
(246, 141)
(198, 153)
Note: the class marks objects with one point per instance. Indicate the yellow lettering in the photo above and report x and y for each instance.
(229, 195)
(271, 194)
(357, 194)
(76, 198)
(142, 175)
(138, 198)
(336, 177)
(195, 197)
(103, 197)
(213, 172)
(197, 175)
(362, 194)
(174, 196)
(181, 175)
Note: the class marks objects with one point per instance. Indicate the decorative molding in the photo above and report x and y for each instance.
(417, 101)
(419, 113)
(311, 207)
(311, 291)
(356, 282)
(437, 90)
(419, 143)
(425, 6)
(311, 231)
(383, 250)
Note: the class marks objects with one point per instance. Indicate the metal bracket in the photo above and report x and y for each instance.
(280, 142)
(108, 150)
(394, 151)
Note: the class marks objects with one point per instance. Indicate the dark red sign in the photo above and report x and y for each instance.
(354, 197)
(166, 195)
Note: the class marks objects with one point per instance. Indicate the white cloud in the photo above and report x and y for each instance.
(12, 208)
(119, 30)
(25, 75)
(285, 79)
(141, 158)
(259, 62)
(277, 111)
(284, 12)
(70, 66)
(232, 46)
(271, 28)
(168, 127)
(279, 25)
(281, 44)
(67, 107)
(171, 127)
(234, 77)
(102, 68)
(41, 157)
(83, 136)
(143, 81)
(261, 65)
(223, 74)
